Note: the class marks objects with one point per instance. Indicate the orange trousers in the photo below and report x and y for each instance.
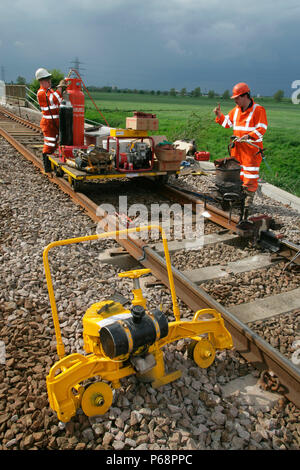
(250, 162)
(50, 129)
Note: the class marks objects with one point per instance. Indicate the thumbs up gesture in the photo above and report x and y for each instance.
(218, 111)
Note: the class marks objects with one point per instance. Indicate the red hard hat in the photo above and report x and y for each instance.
(240, 89)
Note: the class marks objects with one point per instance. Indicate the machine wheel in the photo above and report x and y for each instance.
(203, 352)
(96, 399)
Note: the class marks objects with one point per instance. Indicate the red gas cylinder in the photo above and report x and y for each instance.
(202, 156)
(77, 99)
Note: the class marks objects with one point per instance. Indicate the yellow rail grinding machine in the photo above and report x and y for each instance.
(119, 342)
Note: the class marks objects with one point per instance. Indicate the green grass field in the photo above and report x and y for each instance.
(186, 117)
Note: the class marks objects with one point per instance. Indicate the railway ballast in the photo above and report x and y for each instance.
(192, 413)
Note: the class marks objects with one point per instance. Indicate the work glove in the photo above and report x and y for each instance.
(243, 138)
(63, 84)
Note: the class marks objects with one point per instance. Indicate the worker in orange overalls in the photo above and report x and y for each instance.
(249, 122)
(49, 101)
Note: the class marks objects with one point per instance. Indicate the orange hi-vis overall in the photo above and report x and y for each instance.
(49, 101)
(253, 121)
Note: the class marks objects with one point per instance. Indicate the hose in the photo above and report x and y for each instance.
(78, 75)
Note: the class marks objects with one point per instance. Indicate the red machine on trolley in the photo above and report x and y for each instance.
(121, 153)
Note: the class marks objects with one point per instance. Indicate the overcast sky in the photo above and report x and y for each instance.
(155, 44)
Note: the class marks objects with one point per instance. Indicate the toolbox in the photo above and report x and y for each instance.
(202, 156)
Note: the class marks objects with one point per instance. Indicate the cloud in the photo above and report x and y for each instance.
(155, 44)
(173, 46)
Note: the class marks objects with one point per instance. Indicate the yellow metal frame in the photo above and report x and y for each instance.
(88, 176)
(66, 375)
(117, 233)
(128, 133)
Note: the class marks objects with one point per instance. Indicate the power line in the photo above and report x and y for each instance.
(76, 65)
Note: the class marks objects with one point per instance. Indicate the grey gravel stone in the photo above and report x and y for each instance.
(130, 442)
(242, 433)
(107, 438)
(142, 447)
(11, 443)
(118, 445)
(88, 434)
(237, 443)
(218, 418)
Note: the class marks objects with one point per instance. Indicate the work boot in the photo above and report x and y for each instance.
(46, 163)
(248, 204)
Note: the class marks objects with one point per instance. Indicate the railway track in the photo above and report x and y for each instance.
(246, 341)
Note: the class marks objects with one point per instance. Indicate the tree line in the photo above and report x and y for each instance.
(172, 92)
(57, 75)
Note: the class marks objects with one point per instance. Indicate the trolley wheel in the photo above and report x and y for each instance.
(58, 171)
(96, 399)
(75, 185)
(162, 179)
(203, 352)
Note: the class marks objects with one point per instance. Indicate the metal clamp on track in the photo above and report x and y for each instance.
(144, 255)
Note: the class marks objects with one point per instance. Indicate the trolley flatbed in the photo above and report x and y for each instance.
(75, 176)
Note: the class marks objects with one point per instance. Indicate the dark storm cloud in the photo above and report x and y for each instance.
(155, 44)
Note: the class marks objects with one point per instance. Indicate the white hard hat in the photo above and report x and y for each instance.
(42, 73)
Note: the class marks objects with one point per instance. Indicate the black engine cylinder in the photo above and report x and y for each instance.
(66, 123)
(127, 336)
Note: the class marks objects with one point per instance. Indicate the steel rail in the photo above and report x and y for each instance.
(213, 213)
(21, 148)
(288, 249)
(251, 346)
(21, 120)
